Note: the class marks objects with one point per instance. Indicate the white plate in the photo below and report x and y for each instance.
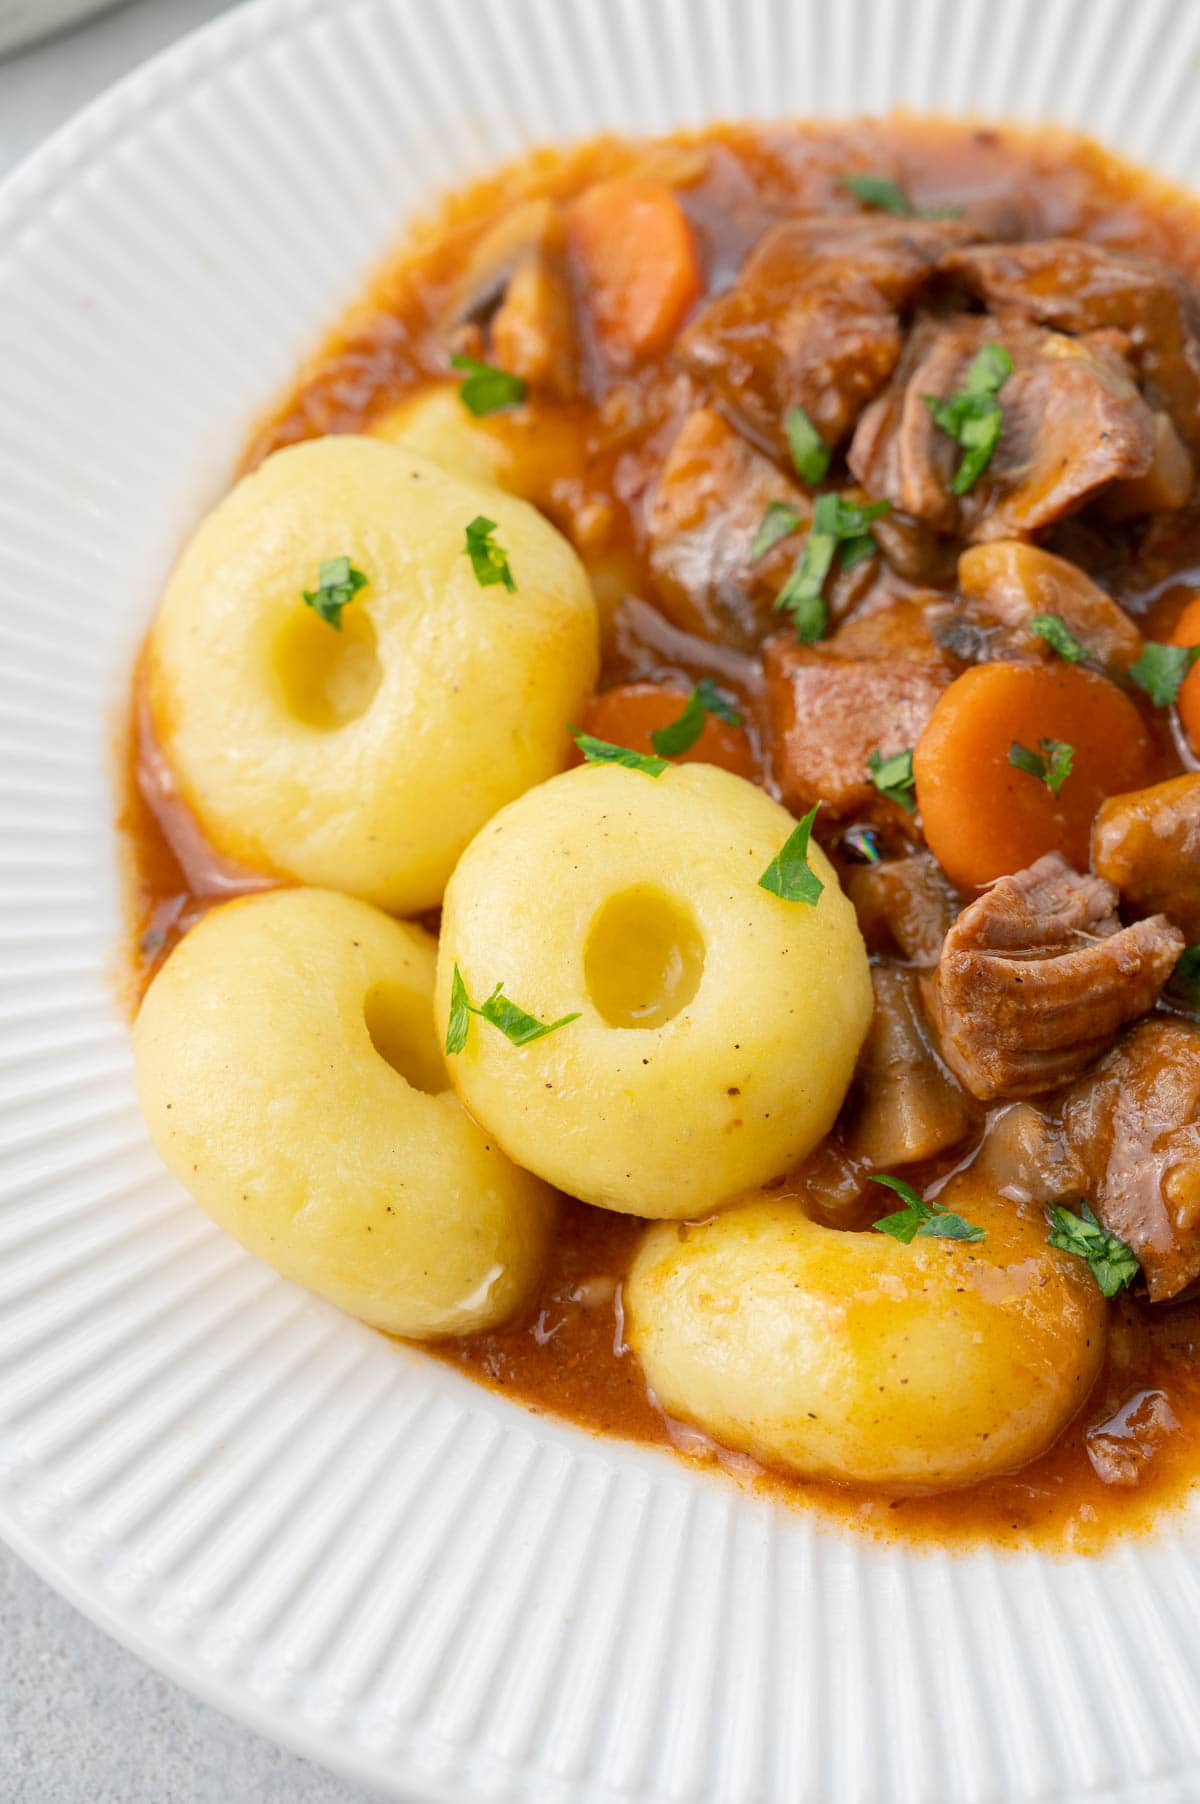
(346, 1545)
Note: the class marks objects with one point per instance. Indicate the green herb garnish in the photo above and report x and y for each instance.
(602, 751)
(789, 874)
(1111, 1261)
(920, 1217)
(488, 560)
(779, 519)
(513, 1022)
(893, 778)
(1051, 765)
(1058, 636)
(972, 416)
(1182, 988)
(487, 389)
(887, 196)
(681, 734)
(338, 582)
(840, 528)
(810, 453)
(1161, 669)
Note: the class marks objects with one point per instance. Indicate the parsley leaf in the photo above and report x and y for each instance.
(1161, 669)
(777, 522)
(837, 525)
(487, 389)
(681, 734)
(810, 453)
(513, 1022)
(972, 416)
(789, 874)
(893, 778)
(488, 560)
(1058, 636)
(1182, 988)
(338, 582)
(920, 1217)
(602, 751)
(887, 196)
(1112, 1261)
(1051, 765)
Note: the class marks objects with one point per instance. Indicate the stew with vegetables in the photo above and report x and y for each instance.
(878, 444)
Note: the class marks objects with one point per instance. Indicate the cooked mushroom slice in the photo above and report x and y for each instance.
(1037, 977)
(1008, 584)
(514, 285)
(1148, 844)
(907, 1106)
(904, 905)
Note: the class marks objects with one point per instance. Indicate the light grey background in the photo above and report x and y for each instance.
(82, 1721)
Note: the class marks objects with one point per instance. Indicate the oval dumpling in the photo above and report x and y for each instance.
(718, 1025)
(852, 1356)
(290, 1078)
(363, 756)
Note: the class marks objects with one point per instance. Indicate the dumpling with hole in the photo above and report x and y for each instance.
(360, 657)
(289, 1075)
(704, 1029)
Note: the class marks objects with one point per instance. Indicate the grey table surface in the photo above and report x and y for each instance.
(81, 1720)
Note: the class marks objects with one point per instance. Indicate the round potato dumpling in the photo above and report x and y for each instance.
(290, 1078)
(718, 1025)
(436, 424)
(365, 756)
(852, 1356)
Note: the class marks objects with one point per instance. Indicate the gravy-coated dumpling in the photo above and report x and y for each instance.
(718, 1024)
(852, 1356)
(365, 757)
(289, 1075)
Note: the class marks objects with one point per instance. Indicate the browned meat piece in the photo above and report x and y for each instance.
(896, 627)
(1005, 583)
(701, 517)
(1038, 975)
(904, 905)
(1166, 485)
(1148, 844)
(1135, 1126)
(1073, 423)
(905, 1105)
(827, 714)
(1078, 287)
(811, 320)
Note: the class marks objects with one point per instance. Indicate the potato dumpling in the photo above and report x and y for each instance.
(852, 1356)
(365, 758)
(289, 1075)
(718, 1024)
(436, 424)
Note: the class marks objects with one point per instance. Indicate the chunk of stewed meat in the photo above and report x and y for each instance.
(904, 905)
(1073, 422)
(1037, 977)
(1080, 287)
(827, 714)
(701, 519)
(1135, 1126)
(812, 319)
(905, 1105)
(1148, 845)
(1006, 584)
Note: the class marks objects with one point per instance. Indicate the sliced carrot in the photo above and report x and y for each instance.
(982, 817)
(636, 254)
(1187, 632)
(630, 714)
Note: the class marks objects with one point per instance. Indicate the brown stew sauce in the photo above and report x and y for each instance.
(1129, 1457)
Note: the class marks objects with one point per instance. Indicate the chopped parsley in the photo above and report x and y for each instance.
(1058, 636)
(884, 195)
(810, 453)
(488, 560)
(789, 874)
(1182, 989)
(1111, 1261)
(681, 734)
(840, 529)
(972, 416)
(602, 751)
(1161, 669)
(919, 1217)
(512, 1021)
(893, 778)
(778, 521)
(1051, 765)
(487, 389)
(338, 582)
